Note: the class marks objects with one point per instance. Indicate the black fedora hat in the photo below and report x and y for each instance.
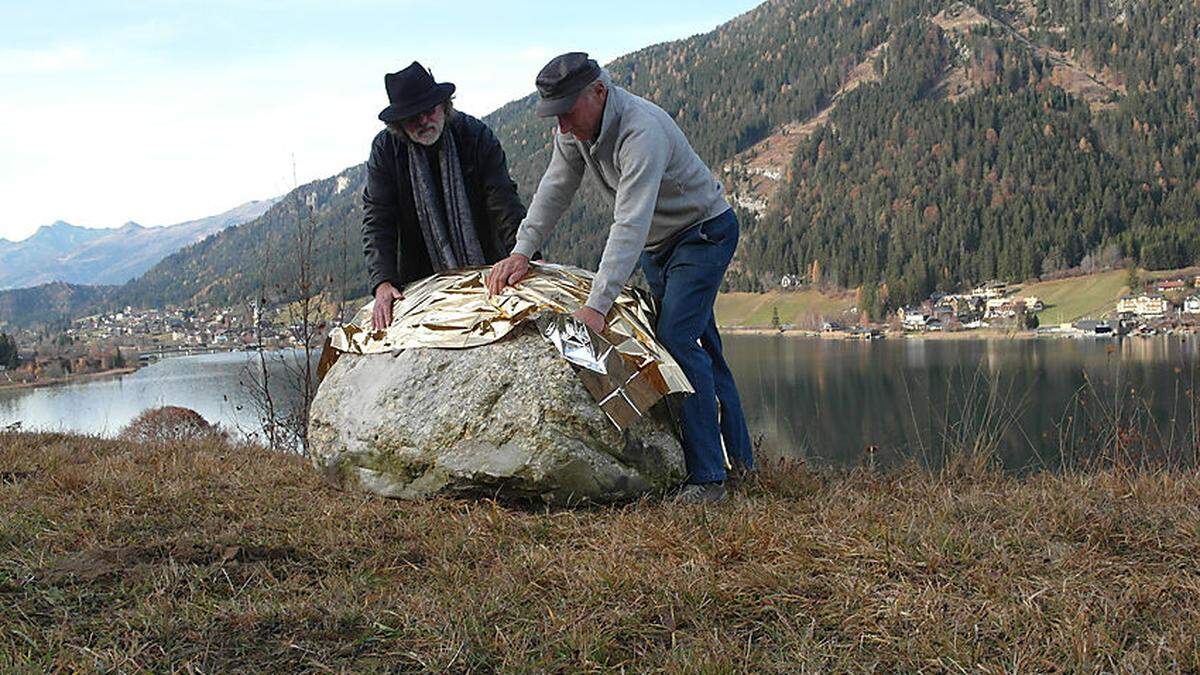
(411, 91)
(562, 80)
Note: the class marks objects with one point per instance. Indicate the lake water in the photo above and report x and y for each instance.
(213, 385)
(832, 401)
(839, 401)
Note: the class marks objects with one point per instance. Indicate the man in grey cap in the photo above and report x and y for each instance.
(669, 214)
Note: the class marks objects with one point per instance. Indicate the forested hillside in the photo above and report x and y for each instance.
(991, 139)
(53, 303)
(897, 145)
(1032, 170)
(728, 89)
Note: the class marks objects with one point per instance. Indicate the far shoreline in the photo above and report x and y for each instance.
(69, 379)
(990, 334)
(976, 334)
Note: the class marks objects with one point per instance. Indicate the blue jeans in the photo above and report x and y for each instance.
(684, 277)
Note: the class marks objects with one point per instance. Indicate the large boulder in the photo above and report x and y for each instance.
(510, 419)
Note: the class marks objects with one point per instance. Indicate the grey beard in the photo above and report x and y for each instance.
(433, 139)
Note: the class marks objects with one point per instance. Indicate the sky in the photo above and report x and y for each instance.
(165, 111)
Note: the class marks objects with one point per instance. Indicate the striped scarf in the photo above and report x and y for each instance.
(449, 234)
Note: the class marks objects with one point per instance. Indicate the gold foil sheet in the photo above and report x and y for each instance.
(625, 369)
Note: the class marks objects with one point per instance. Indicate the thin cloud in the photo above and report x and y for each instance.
(159, 112)
(43, 61)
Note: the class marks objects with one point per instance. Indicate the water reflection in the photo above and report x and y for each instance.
(210, 384)
(832, 400)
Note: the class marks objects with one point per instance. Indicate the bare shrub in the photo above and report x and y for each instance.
(170, 423)
(293, 289)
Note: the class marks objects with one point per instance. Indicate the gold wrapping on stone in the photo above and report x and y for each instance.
(625, 369)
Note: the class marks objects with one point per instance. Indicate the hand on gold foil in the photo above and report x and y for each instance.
(385, 295)
(594, 320)
(507, 272)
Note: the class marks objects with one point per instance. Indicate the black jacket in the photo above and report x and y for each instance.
(392, 240)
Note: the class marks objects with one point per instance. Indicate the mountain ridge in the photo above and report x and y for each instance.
(78, 255)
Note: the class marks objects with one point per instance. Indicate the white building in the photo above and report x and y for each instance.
(912, 318)
(1191, 305)
(790, 280)
(992, 289)
(1005, 308)
(1148, 305)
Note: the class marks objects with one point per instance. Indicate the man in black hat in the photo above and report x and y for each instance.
(669, 215)
(438, 193)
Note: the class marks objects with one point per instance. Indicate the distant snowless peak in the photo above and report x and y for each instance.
(113, 255)
(242, 212)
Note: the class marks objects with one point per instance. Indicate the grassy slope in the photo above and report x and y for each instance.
(1079, 297)
(1066, 300)
(206, 557)
(799, 307)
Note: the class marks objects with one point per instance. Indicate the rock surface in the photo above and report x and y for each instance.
(510, 419)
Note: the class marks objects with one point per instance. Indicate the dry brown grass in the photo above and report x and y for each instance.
(123, 556)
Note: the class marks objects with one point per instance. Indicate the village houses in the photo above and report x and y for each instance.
(992, 300)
